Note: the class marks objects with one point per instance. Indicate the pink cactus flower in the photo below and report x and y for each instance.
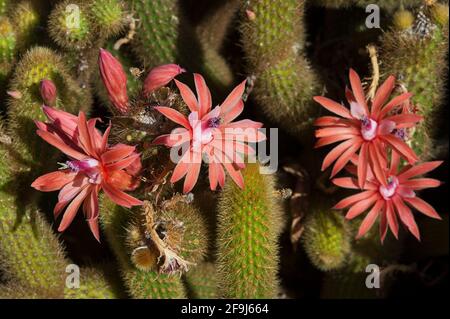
(210, 134)
(395, 199)
(114, 79)
(48, 92)
(160, 76)
(365, 132)
(93, 166)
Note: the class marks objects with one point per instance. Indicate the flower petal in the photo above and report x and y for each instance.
(234, 98)
(361, 206)
(363, 159)
(117, 152)
(398, 100)
(173, 115)
(401, 147)
(382, 95)
(333, 106)
(188, 96)
(423, 207)
(370, 219)
(203, 94)
(53, 181)
(354, 199)
(406, 216)
(72, 209)
(358, 92)
(59, 144)
(119, 197)
(419, 169)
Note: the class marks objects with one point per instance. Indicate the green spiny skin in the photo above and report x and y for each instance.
(389, 5)
(68, 31)
(93, 285)
(13, 290)
(38, 64)
(201, 281)
(157, 38)
(285, 83)
(25, 19)
(419, 63)
(326, 239)
(29, 251)
(349, 281)
(3, 6)
(346, 286)
(108, 15)
(212, 31)
(140, 284)
(8, 43)
(249, 223)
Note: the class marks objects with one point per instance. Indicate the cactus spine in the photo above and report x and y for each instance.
(326, 239)
(201, 281)
(419, 61)
(93, 285)
(249, 224)
(274, 49)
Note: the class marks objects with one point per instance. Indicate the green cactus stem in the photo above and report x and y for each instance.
(418, 59)
(93, 285)
(201, 281)
(26, 19)
(249, 223)
(38, 64)
(274, 48)
(140, 284)
(327, 239)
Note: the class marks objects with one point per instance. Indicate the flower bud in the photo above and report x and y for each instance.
(48, 92)
(160, 76)
(114, 79)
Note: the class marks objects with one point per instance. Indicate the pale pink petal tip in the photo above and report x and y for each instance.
(160, 76)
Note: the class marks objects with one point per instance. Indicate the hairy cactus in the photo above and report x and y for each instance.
(29, 251)
(179, 222)
(274, 49)
(389, 5)
(326, 239)
(93, 285)
(8, 44)
(417, 56)
(249, 224)
(70, 26)
(201, 281)
(108, 15)
(37, 64)
(25, 19)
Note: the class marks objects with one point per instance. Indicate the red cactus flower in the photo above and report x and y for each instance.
(365, 132)
(391, 200)
(210, 133)
(160, 76)
(114, 79)
(93, 165)
(48, 92)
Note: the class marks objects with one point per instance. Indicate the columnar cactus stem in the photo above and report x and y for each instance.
(326, 239)
(93, 285)
(140, 284)
(30, 254)
(248, 230)
(201, 281)
(38, 64)
(418, 59)
(273, 39)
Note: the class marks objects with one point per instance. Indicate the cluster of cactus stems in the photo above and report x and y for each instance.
(203, 244)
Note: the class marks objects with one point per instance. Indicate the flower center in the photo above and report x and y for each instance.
(368, 128)
(388, 191)
(401, 133)
(214, 122)
(90, 167)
